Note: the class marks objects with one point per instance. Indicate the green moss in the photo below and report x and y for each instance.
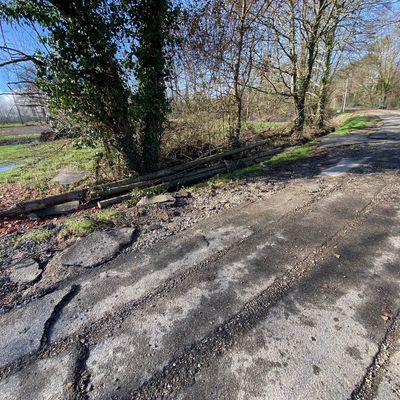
(79, 227)
(354, 123)
(37, 235)
(38, 163)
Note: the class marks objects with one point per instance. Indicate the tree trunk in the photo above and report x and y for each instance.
(300, 120)
(323, 97)
(152, 103)
(235, 139)
(238, 90)
(304, 77)
(324, 87)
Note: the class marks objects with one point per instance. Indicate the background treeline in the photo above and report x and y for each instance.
(138, 75)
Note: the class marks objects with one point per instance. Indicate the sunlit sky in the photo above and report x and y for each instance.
(25, 38)
(19, 37)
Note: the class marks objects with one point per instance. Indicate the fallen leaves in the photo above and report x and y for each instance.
(338, 327)
(324, 286)
(8, 226)
(386, 316)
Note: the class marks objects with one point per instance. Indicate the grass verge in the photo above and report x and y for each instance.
(355, 123)
(38, 163)
(291, 155)
(277, 160)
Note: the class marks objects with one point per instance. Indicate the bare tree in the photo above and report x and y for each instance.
(227, 39)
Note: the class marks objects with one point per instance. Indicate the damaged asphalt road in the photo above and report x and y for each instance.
(291, 297)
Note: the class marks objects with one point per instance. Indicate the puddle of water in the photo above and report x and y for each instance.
(7, 167)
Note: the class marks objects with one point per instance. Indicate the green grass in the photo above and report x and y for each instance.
(84, 226)
(15, 138)
(212, 183)
(35, 236)
(109, 215)
(277, 160)
(38, 163)
(291, 155)
(79, 227)
(354, 123)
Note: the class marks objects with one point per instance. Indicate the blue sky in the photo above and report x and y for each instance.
(23, 38)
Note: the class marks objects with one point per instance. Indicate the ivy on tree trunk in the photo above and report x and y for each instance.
(152, 70)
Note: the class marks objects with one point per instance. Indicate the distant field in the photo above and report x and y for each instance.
(13, 130)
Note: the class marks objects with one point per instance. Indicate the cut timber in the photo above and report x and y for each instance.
(166, 179)
(40, 204)
(143, 184)
(195, 176)
(187, 166)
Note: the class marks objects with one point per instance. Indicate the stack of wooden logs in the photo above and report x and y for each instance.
(163, 180)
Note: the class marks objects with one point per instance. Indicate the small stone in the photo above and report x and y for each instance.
(25, 272)
(152, 200)
(183, 193)
(69, 175)
(142, 211)
(155, 227)
(180, 202)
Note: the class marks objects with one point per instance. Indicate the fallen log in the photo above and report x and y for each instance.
(195, 177)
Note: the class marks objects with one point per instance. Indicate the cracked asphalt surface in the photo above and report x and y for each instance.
(295, 296)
